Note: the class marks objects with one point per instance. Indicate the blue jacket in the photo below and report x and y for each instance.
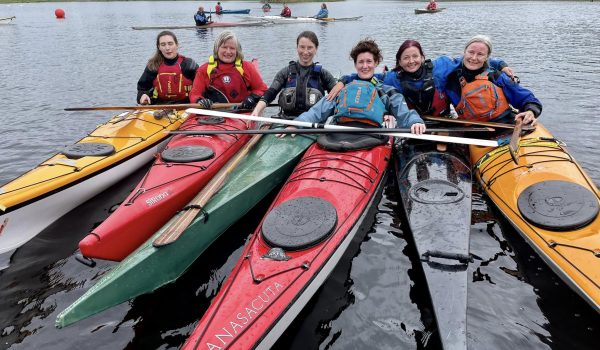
(200, 18)
(393, 101)
(323, 13)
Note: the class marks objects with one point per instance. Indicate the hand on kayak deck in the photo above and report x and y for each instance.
(527, 117)
(283, 135)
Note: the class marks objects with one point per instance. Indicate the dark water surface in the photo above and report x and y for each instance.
(377, 297)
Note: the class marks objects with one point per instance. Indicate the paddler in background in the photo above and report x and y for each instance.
(168, 76)
(302, 83)
(323, 12)
(364, 101)
(432, 5)
(503, 95)
(218, 8)
(200, 17)
(226, 77)
(286, 12)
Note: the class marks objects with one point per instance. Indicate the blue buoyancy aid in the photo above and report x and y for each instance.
(360, 101)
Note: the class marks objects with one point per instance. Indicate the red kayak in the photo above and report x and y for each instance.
(303, 236)
(180, 171)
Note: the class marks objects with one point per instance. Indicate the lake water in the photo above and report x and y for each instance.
(377, 297)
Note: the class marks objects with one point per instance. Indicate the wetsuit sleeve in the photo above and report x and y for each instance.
(201, 82)
(518, 96)
(257, 85)
(327, 80)
(145, 84)
(189, 68)
(394, 102)
(318, 113)
(276, 86)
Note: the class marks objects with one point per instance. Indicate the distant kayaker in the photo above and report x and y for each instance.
(432, 5)
(323, 12)
(474, 75)
(420, 80)
(286, 12)
(200, 17)
(266, 7)
(218, 8)
(168, 76)
(302, 83)
(364, 101)
(226, 77)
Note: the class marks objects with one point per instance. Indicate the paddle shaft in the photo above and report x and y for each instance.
(142, 107)
(315, 131)
(439, 138)
(473, 122)
(176, 229)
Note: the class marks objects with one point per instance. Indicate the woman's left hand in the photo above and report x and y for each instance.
(527, 117)
(418, 128)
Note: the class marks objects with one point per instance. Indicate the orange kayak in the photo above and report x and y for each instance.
(551, 202)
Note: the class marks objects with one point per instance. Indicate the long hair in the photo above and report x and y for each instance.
(308, 35)
(155, 61)
(405, 45)
(222, 38)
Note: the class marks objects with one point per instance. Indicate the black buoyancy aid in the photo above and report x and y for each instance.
(226, 85)
(426, 100)
(170, 84)
(294, 99)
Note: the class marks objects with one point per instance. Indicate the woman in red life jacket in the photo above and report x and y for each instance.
(226, 77)
(168, 76)
(432, 6)
(286, 12)
(218, 8)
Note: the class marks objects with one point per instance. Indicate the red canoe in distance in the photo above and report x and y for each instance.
(304, 234)
(180, 171)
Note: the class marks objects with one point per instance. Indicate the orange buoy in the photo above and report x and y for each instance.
(59, 13)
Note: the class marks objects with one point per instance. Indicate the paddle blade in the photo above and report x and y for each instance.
(513, 146)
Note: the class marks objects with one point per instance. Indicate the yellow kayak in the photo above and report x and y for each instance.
(34, 200)
(551, 202)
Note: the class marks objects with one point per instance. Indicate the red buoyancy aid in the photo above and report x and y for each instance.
(229, 80)
(170, 84)
(481, 99)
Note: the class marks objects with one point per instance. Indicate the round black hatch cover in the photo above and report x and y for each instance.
(299, 223)
(558, 205)
(435, 191)
(208, 120)
(88, 149)
(186, 154)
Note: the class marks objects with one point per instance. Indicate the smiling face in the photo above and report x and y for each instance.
(411, 59)
(365, 65)
(227, 52)
(306, 51)
(476, 55)
(167, 46)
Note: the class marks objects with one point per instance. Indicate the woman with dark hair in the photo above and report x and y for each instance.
(226, 77)
(302, 83)
(168, 76)
(479, 92)
(364, 101)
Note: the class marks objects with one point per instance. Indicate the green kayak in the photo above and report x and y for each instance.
(148, 268)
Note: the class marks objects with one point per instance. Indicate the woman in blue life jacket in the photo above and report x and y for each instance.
(302, 83)
(479, 92)
(168, 76)
(365, 100)
(420, 80)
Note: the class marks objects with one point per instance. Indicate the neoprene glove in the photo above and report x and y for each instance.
(249, 102)
(206, 102)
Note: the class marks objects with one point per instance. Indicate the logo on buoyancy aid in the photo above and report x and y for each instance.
(481, 99)
(170, 84)
(360, 101)
(226, 79)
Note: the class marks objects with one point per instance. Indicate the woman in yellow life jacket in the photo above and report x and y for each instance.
(168, 76)
(479, 92)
